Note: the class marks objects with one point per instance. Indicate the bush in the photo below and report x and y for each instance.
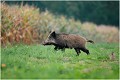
(27, 24)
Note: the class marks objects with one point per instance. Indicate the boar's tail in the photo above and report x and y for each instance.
(90, 41)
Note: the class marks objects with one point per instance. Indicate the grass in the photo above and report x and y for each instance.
(37, 61)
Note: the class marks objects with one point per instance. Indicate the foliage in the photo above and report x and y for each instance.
(98, 12)
(18, 24)
(27, 24)
(37, 61)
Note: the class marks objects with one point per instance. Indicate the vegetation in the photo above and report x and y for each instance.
(37, 61)
(29, 25)
(98, 12)
(24, 24)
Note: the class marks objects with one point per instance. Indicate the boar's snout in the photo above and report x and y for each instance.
(43, 43)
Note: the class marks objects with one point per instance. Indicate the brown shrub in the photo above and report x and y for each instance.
(29, 25)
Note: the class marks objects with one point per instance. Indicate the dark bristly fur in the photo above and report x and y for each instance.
(62, 41)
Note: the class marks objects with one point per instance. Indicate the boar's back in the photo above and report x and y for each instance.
(70, 41)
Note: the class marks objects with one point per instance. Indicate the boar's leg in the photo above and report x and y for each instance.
(57, 47)
(77, 51)
(63, 49)
(85, 50)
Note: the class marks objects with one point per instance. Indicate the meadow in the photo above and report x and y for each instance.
(22, 56)
(38, 61)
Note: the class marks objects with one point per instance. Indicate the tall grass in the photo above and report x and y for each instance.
(27, 24)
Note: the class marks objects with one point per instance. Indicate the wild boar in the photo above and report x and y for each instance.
(62, 41)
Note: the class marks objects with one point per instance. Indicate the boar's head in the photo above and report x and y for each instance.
(50, 39)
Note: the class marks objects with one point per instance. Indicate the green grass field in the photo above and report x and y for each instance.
(37, 61)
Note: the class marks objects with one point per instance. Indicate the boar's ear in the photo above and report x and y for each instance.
(53, 34)
(50, 31)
